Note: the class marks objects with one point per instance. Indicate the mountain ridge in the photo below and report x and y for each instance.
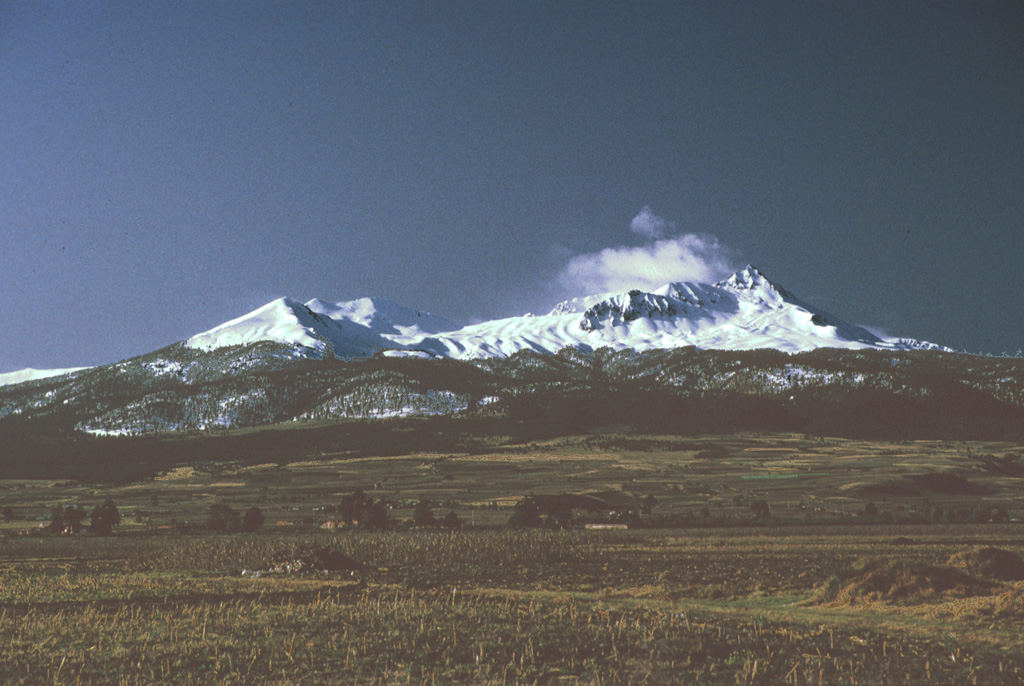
(742, 312)
(906, 394)
(740, 353)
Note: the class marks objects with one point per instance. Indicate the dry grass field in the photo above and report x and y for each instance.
(695, 481)
(706, 587)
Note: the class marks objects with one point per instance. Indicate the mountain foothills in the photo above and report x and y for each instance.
(742, 354)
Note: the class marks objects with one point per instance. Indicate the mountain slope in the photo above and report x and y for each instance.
(383, 316)
(904, 394)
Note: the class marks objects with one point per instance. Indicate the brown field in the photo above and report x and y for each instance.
(813, 590)
(694, 480)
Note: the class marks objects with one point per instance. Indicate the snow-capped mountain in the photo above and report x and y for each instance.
(358, 328)
(290, 322)
(716, 355)
(743, 312)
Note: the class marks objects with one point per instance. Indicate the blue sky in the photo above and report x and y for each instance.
(166, 166)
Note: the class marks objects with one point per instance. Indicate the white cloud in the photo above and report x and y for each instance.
(650, 225)
(688, 257)
(662, 259)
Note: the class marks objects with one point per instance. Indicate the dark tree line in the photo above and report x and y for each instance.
(561, 511)
(70, 519)
(223, 519)
(423, 515)
(359, 509)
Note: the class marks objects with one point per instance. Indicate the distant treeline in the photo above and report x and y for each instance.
(867, 415)
(862, 413)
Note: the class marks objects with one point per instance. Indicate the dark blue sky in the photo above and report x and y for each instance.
(166, 166)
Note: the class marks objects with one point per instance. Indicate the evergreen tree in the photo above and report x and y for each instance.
(66, 520)
(424, 516)
(56, 525)
(559, 510)
(451, 520)
(73, 516)
(526, 515)
(377, 516)
(104, 518)
(223, 519)
(354, 508)
(252, 520)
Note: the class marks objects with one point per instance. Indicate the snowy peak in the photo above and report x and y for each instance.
(748, 278)
(750, 283)
(742, 312)
(290, 322)
(681, 299)
(279, 320)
